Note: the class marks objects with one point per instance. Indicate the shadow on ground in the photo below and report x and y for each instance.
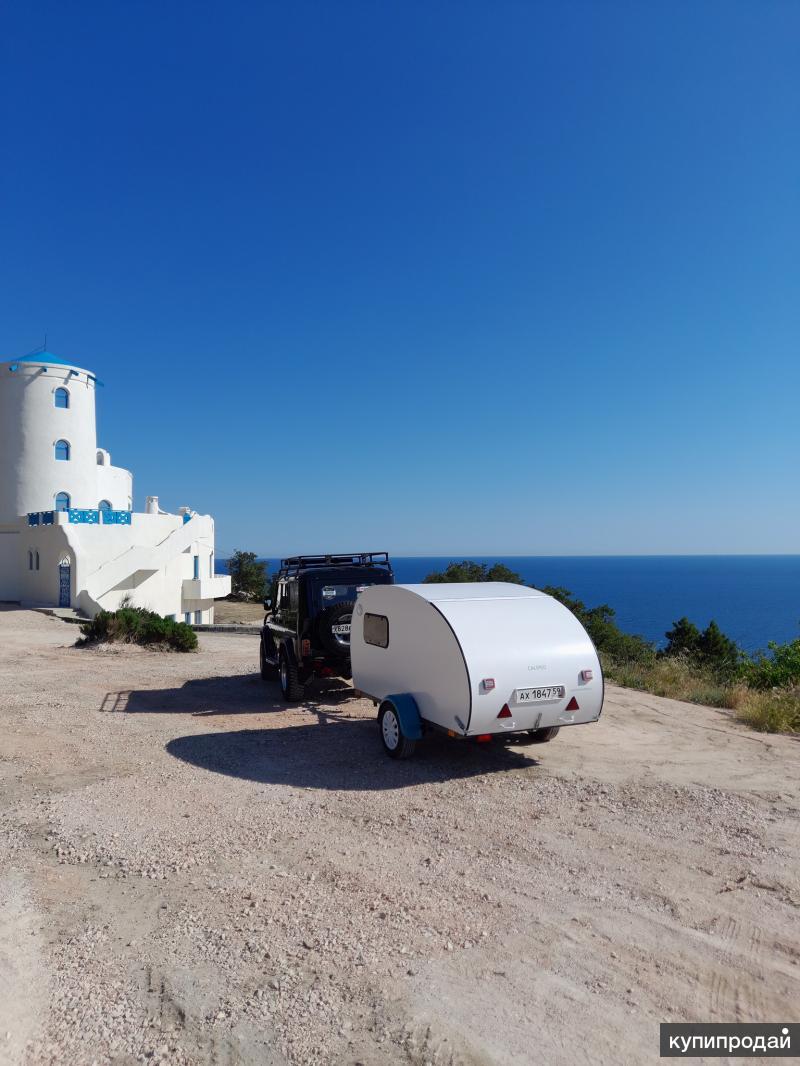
(236, 694)
(335, 748)
(339, 753)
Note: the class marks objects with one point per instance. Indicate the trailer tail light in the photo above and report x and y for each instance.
(506, 712)
(305, 647)
(488, 684)
(586, 675)
(572, 705)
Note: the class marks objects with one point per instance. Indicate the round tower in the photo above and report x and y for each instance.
(48, 436)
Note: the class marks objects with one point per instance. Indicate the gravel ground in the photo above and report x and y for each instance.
(190, 872)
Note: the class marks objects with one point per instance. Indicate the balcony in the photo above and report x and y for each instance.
(80, 516)
(206, 588)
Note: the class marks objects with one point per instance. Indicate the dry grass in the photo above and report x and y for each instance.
(231, 611)
(774, 711)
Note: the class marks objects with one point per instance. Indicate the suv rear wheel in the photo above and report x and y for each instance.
(292, 688)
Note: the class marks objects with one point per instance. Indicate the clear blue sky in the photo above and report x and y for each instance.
(442, 278)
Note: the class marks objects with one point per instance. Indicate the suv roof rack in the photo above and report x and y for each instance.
(296, 563)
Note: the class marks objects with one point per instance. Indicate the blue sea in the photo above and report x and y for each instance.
(753, 598)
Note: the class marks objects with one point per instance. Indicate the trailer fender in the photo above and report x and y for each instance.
(408, 713)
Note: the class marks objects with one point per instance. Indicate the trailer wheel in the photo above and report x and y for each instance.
(396, 745)
(542, 736)
(292, 689)
(268, 671)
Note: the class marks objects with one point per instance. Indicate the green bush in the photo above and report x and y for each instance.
(778, 669)
(136, 625)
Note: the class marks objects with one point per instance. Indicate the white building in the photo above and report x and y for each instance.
(69, 536)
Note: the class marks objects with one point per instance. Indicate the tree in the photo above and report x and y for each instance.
(683, 639)
(717, 649)
(711, 647)
(470, 571)
(248, 575)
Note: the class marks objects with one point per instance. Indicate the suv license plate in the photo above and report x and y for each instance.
(541, 695)
(342, 630)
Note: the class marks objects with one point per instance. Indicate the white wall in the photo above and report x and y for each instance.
(40, 587)
(9, 563)
(115, 485)
(30, 425)
(147, 562)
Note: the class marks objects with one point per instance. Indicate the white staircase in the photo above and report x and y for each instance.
(140, 559)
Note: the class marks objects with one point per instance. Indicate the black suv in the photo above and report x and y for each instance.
(306, 631)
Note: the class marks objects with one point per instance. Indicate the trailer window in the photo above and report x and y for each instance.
(376, 630)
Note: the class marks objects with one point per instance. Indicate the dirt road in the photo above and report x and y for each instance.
(192, 873)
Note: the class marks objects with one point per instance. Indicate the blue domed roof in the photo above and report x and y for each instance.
(46, 357)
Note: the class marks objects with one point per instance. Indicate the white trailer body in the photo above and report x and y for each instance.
(477, 658)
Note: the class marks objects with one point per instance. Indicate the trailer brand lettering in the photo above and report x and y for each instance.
(717, 1041)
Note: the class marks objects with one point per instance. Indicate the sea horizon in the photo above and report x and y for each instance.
(754, 598)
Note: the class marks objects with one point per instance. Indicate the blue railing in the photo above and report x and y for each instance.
(41, 518)
(89, 518)
(82, 516)
(92, 518)
(116, 518)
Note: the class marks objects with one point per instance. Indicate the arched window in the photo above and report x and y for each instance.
(62, 450)
(30, 560)
(62, 501)
(37, 560)
(130, 504)
(104, 505)
(101, 459)
(61, 397)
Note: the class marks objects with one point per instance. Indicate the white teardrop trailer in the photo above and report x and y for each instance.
(472, 660)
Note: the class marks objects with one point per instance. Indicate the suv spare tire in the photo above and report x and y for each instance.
(337, 616)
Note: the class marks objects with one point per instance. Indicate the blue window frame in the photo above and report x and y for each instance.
(62, 450)
(196, 567)
(187, 617)
(61, 398)
(198, 618)
(104, 505)
(62, 501)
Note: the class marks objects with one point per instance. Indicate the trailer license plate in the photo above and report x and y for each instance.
(342, 630)
(541, 695)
